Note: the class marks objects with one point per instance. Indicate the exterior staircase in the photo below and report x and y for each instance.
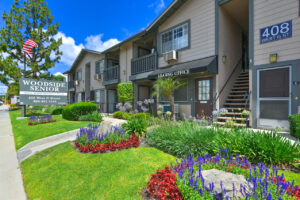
(237, 102)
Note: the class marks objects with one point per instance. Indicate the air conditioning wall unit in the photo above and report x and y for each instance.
(98, 77)
(76, 82)
(170, 56)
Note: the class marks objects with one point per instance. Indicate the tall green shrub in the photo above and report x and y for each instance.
(125, 92)
(74, 111)
(295, 125)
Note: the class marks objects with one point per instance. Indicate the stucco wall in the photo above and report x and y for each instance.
(94, 84)
(202, 18)
(230, 45)
(125, 62)
(267, 13)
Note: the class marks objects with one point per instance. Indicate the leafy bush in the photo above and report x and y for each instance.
(125, 92)
(74, 111)
(137, 126)
(93, 117)
(13, 105)
(184, 138)
(295, 125)
(57, 111)
(122, 115)
(144, 116)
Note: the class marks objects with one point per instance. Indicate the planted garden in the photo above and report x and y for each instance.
(90, 140)
(36, 119)
(216, 177)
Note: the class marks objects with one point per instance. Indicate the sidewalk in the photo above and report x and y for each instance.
(39, 145)
(11, 183)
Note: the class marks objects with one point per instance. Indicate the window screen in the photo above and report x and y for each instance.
(278, 110)
(274, 83)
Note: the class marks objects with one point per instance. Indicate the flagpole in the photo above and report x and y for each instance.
(24, 76)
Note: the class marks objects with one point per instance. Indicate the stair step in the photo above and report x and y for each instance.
(235, 104)
(233, 118)
(240, 91)
(241, 84)
(233, 113)
(235, 88)
(241, 81)
(238, 95)
(235, 99)
(232, 109)
(235, 124)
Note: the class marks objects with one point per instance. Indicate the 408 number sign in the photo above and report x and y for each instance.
(276, 32)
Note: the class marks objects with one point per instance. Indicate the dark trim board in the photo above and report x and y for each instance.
(295, 67)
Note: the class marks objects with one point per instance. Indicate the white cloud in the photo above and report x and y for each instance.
(69, 48)
(158, 6)
(95, 42)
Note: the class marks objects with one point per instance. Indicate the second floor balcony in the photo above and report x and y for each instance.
(144, 64)
(111, 75)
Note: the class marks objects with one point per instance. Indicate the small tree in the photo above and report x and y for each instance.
(167, 87)
(125, 92)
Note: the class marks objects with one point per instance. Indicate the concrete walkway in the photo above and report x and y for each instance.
(39, 145)
(11, 183)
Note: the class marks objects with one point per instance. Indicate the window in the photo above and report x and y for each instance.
(79, 75)
(204, 90)
(97, 99)
(175, 39)
(99, 96)
(100, 67)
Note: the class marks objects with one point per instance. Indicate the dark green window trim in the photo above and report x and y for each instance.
(159, 37)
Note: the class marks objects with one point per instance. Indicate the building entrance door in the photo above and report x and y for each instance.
(111, 100)
(203, 97)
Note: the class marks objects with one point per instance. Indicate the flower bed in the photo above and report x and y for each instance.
(35, 120)
(90, 140)
(185, 180)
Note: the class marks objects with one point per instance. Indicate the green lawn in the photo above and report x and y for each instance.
(62, 173)
(24, 134)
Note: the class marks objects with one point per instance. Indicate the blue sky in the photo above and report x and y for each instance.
(96, 24)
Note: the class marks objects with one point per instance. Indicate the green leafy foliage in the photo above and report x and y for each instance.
(93, 117)
(184, 138)
(122, 115)
(295, 125)
(74, 111)
(30, 19)
(137, 126)
(144, 116)
(125, 92)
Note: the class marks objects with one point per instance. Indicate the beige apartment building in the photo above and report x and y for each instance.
(233, 54)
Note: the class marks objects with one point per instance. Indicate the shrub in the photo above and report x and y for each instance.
(144, 116)
(13, 105)
(94, 117)
(74, 111)
(137, 126)
(122, 115)
(184, 138)
(125, 92)
(57, 111)
(36, 119)
(295, 125)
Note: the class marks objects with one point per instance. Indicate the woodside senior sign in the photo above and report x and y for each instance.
(42, 92)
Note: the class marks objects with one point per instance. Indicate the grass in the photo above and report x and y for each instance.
(25, 134)
(62, 173)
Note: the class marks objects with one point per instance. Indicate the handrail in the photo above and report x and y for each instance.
(217, 96)
(143, 64)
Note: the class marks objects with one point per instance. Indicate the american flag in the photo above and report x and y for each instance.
(28, 45)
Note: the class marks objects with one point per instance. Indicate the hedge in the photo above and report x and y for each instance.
(74, 111)
(125, 92)
(295, 125)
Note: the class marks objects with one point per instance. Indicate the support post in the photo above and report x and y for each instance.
(24, 76)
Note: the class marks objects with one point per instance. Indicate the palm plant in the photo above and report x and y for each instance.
(167, 87)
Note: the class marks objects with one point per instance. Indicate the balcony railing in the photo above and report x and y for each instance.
(71, 85)
(143, 64)
(112, 73)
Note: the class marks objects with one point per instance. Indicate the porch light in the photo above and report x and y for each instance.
(273, 58)
(224, 59)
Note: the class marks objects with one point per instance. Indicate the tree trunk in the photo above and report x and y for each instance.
(171, 101)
